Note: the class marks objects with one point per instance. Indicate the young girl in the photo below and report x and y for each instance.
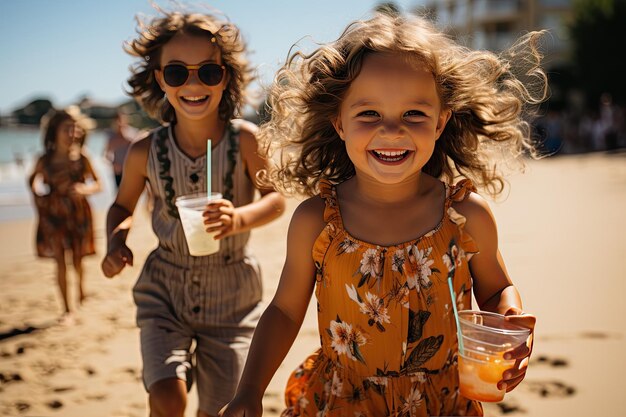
(375, 127)
(192, 76)
(65, 222)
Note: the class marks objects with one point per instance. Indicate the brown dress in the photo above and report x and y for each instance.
(65, 220)
(386, 322)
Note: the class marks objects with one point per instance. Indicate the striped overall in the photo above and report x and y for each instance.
(197, 314)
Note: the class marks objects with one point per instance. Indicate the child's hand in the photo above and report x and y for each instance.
(521, 354)
(222, 217)
(116, 259)
(242, 408)
(79, 188)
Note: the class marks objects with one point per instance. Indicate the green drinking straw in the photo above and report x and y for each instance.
(456, 315)
(208, 168)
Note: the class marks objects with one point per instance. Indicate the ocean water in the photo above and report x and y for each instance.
(19, 150)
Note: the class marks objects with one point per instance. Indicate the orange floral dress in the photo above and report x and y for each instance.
(386, 322)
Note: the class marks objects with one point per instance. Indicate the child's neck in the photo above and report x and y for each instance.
(192, 135)
(376, 193)
(61, 154)
(410, 208)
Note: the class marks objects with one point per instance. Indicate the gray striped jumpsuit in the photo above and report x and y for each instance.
(197, 314)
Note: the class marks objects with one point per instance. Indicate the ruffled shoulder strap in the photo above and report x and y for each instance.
(459, 191)
(332, 218)
(329, 193)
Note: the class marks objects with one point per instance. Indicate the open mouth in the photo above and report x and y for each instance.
(195, 99)
(390, 157)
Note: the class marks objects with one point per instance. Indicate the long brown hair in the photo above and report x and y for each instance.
(51, 121)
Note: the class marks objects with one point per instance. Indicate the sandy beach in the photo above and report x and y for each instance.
(562, 233)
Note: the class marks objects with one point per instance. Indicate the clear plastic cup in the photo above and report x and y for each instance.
(190, 208)
(486, 337)
(480, 373)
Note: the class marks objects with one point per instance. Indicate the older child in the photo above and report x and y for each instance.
(375, 127)
(192, 76)
(65, 222)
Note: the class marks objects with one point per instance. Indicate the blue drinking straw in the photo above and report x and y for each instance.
(456, 315)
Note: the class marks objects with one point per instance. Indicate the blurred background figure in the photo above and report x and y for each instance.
(61, 180)
(119, 138)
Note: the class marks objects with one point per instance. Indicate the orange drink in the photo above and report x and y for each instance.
(479, 374)
(486, 337)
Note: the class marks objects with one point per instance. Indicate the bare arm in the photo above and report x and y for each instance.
(89, 188)
(493, 288)
(281, 321)
(259, 212)
(37, 170)
(119, 216)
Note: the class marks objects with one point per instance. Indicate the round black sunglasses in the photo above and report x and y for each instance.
(176, 75)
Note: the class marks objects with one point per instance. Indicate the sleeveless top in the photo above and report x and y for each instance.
(386, 321)
(172, 173)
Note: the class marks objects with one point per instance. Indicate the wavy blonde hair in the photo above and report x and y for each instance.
(157, 32)
(490, 104)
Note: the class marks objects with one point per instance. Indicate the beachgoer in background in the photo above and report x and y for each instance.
(192, 76)
(64, 215)
(375, 128)
(119, 138)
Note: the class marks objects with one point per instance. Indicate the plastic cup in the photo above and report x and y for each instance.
(486, 337)
(479, 374)
(190, 208)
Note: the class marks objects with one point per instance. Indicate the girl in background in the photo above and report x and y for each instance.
(387, 130)
(65, 225)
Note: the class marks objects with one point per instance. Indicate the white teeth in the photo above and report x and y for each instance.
(390, 153)
(391, 156)
(194, 98)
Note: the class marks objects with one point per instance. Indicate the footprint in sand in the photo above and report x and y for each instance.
(590, 334)
(553, 362)
(22, 406)
(550, 389)
(89, 371)
(63, 389)
(54, 404)
(6, 378)
(129, 374)
(506, 407)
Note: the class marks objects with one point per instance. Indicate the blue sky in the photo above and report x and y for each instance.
(63, 49)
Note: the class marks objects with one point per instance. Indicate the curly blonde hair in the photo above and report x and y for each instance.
(157, 32)
(490, 104)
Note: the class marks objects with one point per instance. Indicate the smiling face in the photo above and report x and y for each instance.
(193, 100)
(391, 118)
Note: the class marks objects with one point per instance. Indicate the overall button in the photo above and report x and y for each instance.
(196, 309)
(227, 258)
(195, 279)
